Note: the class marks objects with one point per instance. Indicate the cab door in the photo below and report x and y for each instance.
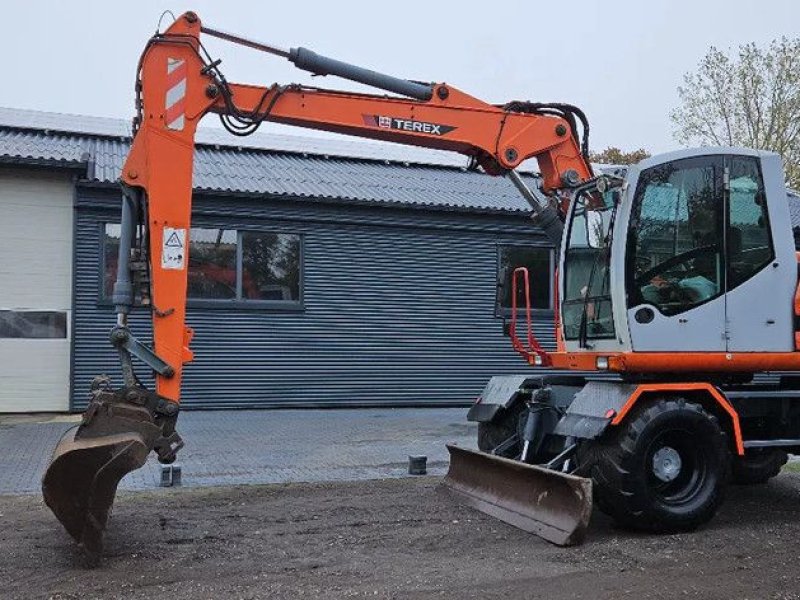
(675, 257)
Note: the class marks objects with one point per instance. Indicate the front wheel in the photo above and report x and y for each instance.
(491, 435)
(664, 469)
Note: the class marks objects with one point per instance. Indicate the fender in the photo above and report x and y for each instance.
(603, 404)
(504, 391)
(709, 389)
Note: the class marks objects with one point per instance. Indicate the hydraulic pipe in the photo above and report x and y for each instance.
(545, 215)
(308, 60)
(122, 294)
(242, 41)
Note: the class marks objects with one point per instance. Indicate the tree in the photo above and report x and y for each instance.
(750, 98)
(615, 156)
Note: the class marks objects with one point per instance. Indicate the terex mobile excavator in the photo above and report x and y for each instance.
(680, 279)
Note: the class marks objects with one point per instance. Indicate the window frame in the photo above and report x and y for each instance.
(221, 303)
(501, 311)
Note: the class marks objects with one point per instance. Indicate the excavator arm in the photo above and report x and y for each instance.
(177, 85)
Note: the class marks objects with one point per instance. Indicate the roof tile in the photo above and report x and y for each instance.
(265, 171)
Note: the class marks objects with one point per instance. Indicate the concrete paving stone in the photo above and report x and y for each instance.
(262, 446)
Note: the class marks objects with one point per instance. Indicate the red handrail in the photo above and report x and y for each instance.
(534, 348)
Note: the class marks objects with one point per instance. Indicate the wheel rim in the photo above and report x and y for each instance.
(667, 464)
(677, 467)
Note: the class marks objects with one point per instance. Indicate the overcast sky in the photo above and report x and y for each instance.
(621, 61)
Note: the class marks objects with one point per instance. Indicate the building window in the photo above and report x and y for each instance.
(270, 266)
(212, 264)
(539, 262)
(230, 265)
(33, 324)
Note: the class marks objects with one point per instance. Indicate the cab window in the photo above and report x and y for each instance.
(675, 245)
(748, 236)
(586, 308)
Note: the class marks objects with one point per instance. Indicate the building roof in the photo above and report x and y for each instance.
(266, 164)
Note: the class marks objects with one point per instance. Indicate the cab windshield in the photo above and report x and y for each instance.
(586, 307)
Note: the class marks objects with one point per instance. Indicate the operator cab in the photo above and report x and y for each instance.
(692, 253)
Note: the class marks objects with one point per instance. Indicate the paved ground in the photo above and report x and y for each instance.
(261, 446)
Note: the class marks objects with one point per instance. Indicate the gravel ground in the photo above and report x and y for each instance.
(391, 539)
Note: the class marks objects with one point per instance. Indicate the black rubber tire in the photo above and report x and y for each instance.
(757, 466)
(625, 483)
(586, 456)
(491, 435)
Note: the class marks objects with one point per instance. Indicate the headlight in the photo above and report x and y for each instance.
(537, 360)
(602, 363)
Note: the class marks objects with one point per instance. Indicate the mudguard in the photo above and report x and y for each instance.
(502, 391)
(593, 408)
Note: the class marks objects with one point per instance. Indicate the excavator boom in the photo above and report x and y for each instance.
(177, 85)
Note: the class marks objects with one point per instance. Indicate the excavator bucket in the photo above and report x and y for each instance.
(555, 506)
(81, 482)
(88, 463)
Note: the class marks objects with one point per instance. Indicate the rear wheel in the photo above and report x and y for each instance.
(758, 466)
(491, 435)
(664, 469)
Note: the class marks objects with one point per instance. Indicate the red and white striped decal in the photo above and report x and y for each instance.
(176, 94)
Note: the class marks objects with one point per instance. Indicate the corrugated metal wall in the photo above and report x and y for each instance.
(398, 308)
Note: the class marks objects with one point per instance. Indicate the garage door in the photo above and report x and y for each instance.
(35, 290)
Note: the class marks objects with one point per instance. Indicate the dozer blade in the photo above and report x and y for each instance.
(81, 482)
(555, 506)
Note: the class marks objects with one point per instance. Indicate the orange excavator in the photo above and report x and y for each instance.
(660, 271)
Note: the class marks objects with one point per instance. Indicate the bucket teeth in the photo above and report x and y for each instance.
(555, 506)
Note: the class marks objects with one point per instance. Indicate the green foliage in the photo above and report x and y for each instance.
(615, 156)
(748, 98)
